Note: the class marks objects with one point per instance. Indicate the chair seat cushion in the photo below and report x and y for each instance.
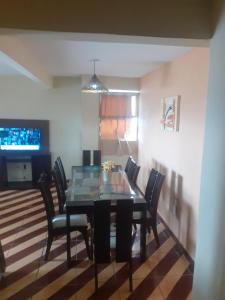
(59, 221)
(137, 215)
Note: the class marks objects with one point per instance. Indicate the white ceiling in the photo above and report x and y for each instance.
(66, 57)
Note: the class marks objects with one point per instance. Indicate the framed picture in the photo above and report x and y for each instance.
(170, 113)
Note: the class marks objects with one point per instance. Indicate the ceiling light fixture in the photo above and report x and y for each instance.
(94, 85)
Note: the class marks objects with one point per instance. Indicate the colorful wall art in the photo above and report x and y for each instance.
(170, 113)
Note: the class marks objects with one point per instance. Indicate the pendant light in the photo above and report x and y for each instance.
(94, 85)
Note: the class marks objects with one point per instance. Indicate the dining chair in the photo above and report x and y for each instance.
(61, 195)
(97, 157)
(132, 171)
(2, 261)
(57, 223)
(86, 157)
(148, 196)
(135, 174)
(87, 154)
(61, 170)
(152, 194)
(103, 242)
(127, 164)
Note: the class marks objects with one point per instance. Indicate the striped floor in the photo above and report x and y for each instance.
(166, 274)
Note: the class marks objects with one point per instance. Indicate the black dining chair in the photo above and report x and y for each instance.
(86, 157)
(123, 238)
(152, 194)
(57, 223)
(61, 171)
(128, 164)
(97, 158)
(61, 195)
(132, 171)
(135, 174)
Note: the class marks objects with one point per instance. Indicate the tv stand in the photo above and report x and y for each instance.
(23, 171)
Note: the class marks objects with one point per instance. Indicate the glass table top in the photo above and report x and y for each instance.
(91, 183)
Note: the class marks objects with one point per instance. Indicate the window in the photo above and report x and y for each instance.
(118, 118)
(118, 125)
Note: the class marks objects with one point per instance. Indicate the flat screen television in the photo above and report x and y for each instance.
(24, 137)
(17, 139)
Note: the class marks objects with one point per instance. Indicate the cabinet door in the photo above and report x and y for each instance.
(3, 171)
(41, 163)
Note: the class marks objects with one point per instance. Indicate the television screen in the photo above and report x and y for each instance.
(20, 139)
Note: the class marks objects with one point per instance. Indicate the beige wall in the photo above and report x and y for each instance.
(177, 154)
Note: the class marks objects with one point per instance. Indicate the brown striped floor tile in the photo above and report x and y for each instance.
(172, 277)
(15, 193)
(182, 288)
(6, 193)
(166, 273)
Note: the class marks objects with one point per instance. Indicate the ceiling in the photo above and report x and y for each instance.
(6, 67)
(67, 57)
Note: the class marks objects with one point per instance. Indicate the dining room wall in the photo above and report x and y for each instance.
(73, 116)
(176, 154)
(20, 98)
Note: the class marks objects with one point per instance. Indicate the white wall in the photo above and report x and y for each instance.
(21, 98)
(209, 275)
(73, 116)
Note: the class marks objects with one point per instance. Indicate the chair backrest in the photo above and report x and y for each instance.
(59, 189)
(102, 231)
(62, 171)
(86, 157)
(135, 174)
(124, 211)
(127, 164)
(57, 168)
(132, 169)
(47, 198)
(150, 185)
(97, 157)
(153, 203)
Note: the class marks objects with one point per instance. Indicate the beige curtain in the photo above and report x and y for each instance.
(115, 106)
(115, 120)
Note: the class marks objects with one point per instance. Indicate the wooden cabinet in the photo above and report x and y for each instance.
(39, 163)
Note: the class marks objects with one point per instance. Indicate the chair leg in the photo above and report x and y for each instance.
(85, 236)
(49, 243)
(135, 226)
(133, 237)
(154, 228)
(96, 276)
(92, 247)
(130, 276)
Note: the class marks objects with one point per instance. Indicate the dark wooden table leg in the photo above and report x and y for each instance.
(143, 237)
(68, 240)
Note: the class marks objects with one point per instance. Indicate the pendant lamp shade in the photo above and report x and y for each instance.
(94, 85)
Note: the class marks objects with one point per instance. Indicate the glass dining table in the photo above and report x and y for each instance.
(91, 183)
